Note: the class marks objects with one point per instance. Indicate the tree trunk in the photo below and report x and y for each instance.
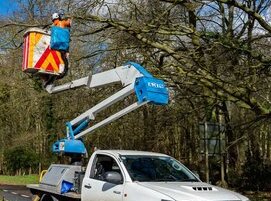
(232, 151)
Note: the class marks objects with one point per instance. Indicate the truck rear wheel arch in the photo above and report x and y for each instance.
(46, 197)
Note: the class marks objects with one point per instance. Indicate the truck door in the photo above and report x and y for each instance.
(95, 188)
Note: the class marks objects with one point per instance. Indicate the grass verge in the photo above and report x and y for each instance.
(19, 180)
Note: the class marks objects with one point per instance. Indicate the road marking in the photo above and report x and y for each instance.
(5, 190)
(26, 196)
(14, 193)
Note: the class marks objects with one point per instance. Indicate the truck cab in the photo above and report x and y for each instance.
(119, 175)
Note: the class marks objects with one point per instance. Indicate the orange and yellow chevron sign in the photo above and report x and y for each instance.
(37, 55)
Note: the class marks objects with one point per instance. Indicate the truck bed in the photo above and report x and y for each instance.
(36, 189)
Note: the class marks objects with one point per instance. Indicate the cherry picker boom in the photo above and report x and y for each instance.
(40, 59)
(134, 78)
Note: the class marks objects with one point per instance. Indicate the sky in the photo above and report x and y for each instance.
(7, 7)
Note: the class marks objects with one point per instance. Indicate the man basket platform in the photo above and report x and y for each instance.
(38, 56)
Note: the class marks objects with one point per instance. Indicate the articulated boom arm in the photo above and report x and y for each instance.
(133, 77)
(125, 74)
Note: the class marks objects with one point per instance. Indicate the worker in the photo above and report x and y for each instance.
(59, 21)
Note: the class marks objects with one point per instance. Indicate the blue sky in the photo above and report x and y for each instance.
(7, 7)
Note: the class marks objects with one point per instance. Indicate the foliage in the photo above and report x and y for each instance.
(256, 175)
(20, 159)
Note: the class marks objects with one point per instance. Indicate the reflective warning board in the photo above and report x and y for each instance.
(37, 55)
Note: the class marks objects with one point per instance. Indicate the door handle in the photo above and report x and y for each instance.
(116, 192)
(87, 186)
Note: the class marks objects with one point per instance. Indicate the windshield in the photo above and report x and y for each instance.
(156, 169)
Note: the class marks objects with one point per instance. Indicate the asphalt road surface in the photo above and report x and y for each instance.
(14, 193)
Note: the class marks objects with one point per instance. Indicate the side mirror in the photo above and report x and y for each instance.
(113, 177)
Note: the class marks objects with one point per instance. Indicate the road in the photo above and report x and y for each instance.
(15, 193)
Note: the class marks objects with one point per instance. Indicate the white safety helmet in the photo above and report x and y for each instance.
(55, 16)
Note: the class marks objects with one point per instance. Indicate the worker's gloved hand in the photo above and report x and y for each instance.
(61, 14)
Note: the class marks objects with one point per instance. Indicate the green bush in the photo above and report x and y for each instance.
(256, 174)
(234, 179)
(20, 159)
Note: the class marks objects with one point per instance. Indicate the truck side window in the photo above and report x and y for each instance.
(102, 165)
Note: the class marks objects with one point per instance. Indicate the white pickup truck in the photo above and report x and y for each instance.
(120, 175)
